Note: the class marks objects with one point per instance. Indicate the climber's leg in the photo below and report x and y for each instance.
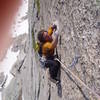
(53, 68)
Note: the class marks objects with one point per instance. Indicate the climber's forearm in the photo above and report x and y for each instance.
(51, 29)
(55, 41)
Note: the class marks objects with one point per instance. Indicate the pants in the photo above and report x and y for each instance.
(54, 67)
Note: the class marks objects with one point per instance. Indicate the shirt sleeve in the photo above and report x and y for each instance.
(50, 31)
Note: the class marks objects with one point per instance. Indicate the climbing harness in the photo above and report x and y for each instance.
(64, 67)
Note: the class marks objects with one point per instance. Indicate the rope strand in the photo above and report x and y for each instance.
(92, 91)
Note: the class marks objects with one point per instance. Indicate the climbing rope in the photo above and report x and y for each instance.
(92, 91)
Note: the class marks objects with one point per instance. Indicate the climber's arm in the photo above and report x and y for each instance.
(55, 41)
(51, 45)
(51, 29)
(55, 37)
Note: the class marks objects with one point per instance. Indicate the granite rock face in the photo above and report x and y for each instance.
(78, 48)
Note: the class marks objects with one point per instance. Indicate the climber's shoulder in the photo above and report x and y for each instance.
(48, 45)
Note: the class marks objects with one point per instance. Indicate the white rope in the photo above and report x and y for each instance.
(92, 91)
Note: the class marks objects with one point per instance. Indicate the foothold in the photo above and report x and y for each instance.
(43, 77)
(98, 24)
(61, 2)
(84, 19)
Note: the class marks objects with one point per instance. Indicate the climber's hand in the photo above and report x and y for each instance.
(54, 27)
(56, 24)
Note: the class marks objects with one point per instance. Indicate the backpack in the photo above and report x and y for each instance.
(38, 48)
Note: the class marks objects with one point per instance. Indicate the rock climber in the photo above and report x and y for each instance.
(47, 41)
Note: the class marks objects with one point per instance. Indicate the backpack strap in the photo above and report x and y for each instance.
(40, 49)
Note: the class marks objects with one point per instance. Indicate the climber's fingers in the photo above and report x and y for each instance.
(57, 24)
(7, 12)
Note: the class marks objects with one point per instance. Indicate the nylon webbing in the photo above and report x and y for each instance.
(92, 91)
